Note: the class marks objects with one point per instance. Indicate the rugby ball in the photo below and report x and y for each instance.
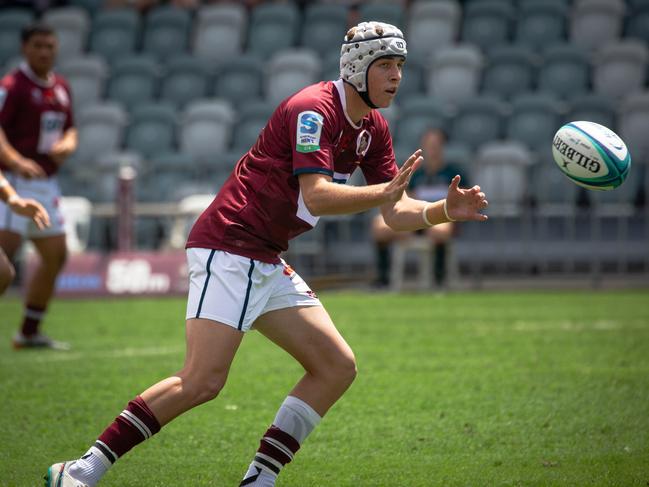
(592, 155)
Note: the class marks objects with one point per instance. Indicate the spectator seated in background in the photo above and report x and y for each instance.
(430, 182)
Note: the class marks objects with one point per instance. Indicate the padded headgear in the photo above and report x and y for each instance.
(363, 45)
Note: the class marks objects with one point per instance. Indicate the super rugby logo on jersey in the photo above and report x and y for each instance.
(309, 129)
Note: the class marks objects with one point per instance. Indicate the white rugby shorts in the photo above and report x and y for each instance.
(236, 290)
(47, 193)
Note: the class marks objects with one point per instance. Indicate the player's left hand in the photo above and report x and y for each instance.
(32, 209)
(465, 204)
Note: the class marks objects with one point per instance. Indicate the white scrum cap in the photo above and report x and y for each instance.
(363, 45)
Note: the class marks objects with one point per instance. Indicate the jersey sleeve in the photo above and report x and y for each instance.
(8, 101)
(311, 128)
(380, 165)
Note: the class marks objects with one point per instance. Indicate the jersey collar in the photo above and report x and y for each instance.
(24, 67)
(339, 84)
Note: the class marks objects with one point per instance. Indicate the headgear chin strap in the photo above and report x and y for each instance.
(363, 45)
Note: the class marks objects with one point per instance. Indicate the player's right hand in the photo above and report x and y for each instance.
(28, 169)
(31, 208)
(395, 188)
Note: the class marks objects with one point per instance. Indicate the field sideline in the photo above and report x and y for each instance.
(467, 389)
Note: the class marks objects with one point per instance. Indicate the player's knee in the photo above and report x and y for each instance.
(206, 389)
(343, 371)
(7, 275)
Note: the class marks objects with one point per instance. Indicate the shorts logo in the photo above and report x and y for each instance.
(309, 129)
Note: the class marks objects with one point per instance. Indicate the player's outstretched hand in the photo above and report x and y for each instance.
(31, 209)
(465, 204)
(395, 188)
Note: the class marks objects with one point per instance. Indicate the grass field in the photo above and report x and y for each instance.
(476, 389)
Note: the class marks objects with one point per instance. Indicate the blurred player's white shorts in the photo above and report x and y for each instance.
(47, 193)
(237, 290)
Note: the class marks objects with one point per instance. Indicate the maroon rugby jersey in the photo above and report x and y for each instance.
(260, 207)
(34, 114)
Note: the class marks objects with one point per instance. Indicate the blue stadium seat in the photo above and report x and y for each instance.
(240, 80)
(114, 33)
(71, 25)
(133, 81)
(324, 28)
(487, 23)
(416, 114)
(11, 23)
(478, 121)
(432, 25)
(273, 27)
(151, 130)
(86, 76)
(166, 32)
(455, 74)
(637, 23)
(565, 71)
(634, 127)
(220, 31)
(186, 78)
(252, 119)
(206, 128)
(534, 120)
(594, 108)
(595, 23)
(541, 23)
(101, 129)
(510, 71)
(621, 68)
(289, 71)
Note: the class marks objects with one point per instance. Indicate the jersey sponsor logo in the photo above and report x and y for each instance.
(363, 142)
(3, 97)
(309, 130)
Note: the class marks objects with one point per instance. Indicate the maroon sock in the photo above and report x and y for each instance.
(134, 425)
(279, 446)
(32, 319)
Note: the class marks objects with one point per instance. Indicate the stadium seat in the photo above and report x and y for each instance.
(252, 118)
(478, 121)
(621, 68)
(273, 27)
(114, 33)
(101, 130)
(534, 120)
(502, 170)
(637, 23)
(417, 113)
(455, 73)
(151, 130)
(186, 79)
(240, 80)
(412, 80)
(390, 113)
(331, 67)
(71, 25)
(487, 24)
(166, 32)
(390, 13)
(11, 23)
(595, 23)
(220, 31)
(460, 155)
(133, 81)
(594, 108)
(289, 71)
(541, 23)
(432, 25)
(86, 76)
(206, 128)
(90, 6)
(565, 71)
(104, 180)
(552, 193)
(634, 127)
(324, 28)
(509, 71)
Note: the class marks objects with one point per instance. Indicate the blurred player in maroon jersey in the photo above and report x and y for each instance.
(293, 174)
(37, 134)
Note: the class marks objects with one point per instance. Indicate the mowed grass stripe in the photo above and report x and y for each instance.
(475, 389)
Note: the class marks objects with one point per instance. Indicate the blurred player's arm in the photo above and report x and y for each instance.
(23, 166)
(65, 146)
(24, 207)
(324, 197)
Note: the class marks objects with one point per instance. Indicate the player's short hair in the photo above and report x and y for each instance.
(34, 29)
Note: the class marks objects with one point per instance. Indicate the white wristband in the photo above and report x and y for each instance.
(423, 214)
(3, 182)
(12, 198)
(446, 212)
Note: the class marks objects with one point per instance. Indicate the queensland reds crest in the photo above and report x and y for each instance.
(61, 95)
(363, 142)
